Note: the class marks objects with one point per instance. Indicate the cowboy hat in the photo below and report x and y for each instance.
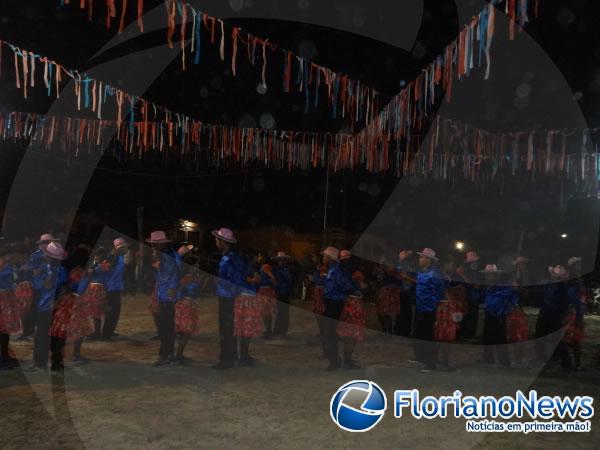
(558, 271)
(428, 253)
(119, 243)
(491, 268)
(345, 254)
(471, 256)
(225, 234)
(574, 260)
(55, 251)
(158, 237)
(332, 253)
(47, 237)
(282, 255)
(520, 260)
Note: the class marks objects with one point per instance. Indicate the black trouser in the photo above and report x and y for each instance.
(166, 329)
(548, 324)
(425, 349)
(282, 322)
(57, 347)
(29, 317)
(113, 312)
(333, 311)
(405, 318)
(321, 323)
(41, 340)
(226, 337)
(494, 334)
(4, 340)
(468, 327)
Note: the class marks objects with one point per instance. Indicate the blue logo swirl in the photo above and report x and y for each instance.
(358, 406)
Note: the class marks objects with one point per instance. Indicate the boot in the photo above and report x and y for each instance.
(77, 358)
(349, 345)
(268, 320)
(245, 358)
(179, 358)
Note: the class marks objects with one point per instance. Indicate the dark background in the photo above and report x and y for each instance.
(429, 213)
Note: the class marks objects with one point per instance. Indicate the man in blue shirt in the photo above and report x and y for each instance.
(32, 271)
(232, 273)
(114, 287)
(430, 291)
(498, 302)
(54, 278)
(283, 286)
(338, 286)
(167, 284)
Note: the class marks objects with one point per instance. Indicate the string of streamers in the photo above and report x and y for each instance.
(458, 151)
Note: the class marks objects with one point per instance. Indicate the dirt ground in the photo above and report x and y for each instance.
(120, 401)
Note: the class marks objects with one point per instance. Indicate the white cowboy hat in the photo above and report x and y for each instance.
(428, 253)
(47, 237)
(520, 260)
(332, 253)
(225, 234)
(558, 271)
(491, 268)
(158, 237)
(55, 251)
(119, 243)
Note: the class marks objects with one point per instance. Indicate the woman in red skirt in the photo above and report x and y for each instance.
(388, 301)
(330, 255)
(247, 315)
(95, 292)
(72, 319)
(268, 298)
(10, 314)
(187, 311)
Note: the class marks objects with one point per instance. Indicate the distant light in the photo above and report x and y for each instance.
(188, 225)
(564, 235)
(459, 245)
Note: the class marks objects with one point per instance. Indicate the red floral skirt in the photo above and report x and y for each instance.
(95, 298)
(268, 298)
(353, 319)
(457, 296)
(247, 316)
(72, 318)
(187, 317)
(24, 295)
(153, 305)
(445, 326)
(10, 313)
(517, 329)
(388, 303)
(318, 295)
(573, 333)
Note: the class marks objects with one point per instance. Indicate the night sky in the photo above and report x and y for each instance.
(548, 78)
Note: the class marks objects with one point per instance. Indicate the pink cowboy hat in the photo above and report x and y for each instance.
(282, 255)
(55, 251)
(520, 260)
(491, 268)
(404, 254)
(428, 253)
(345, 254)
(119, 243)
(185, 249)
(558, 271)
(46, 238)
(471, 256)
(158, 237)
(332, 253)
(225, 234)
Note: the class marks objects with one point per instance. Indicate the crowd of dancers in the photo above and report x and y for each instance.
(42, 301)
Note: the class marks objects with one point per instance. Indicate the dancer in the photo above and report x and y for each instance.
(429, 292)
(470, 272)
(167, 283)
(54, 279)
(499, 301)
(268, 296)
(114, 288)
(187, 312)
(10, 319)
(330, 256)
(388, 300)
(247, 315)
(283, 287)
(32, 272)
(338, 287)
(71, 320)
(351, 327)
(95, 290)
(405, 275)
